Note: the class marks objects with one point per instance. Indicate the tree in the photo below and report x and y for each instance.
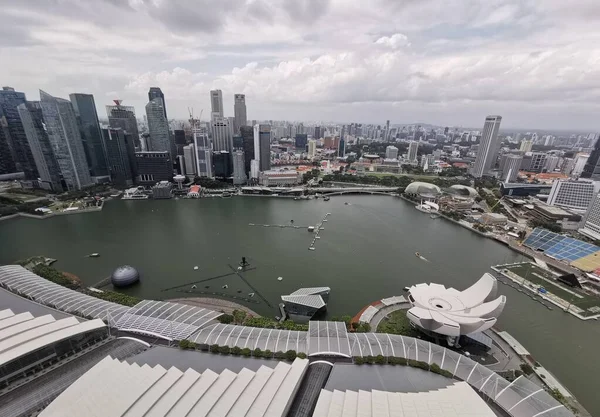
(290, 355)
(267, 354)
(224, 350)
(236, 351)
(279, 355)
(257, 353)
(184, 344)
(359, 360)
(246, 352)
(346, 319)
(363, 328)
(239, 316)
(380, 360)
(302, 355)
(214, 348)
(225, 318)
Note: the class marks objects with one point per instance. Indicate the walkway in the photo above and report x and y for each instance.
(384, 312)
(216, 304)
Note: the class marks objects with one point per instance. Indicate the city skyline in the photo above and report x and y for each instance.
(532, 63)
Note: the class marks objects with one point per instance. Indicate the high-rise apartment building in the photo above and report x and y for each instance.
(592, 166)
(580, 163)
(239, 168)
(575, 195)
(552, 163)
(318, 132)
(65, 137)
(488, 147)
(591, 225)
(526, 145)
(123, 117)
(156, 92)
(511, 167)
(118, 152)
(239, 111)
(538, 161)
(41, 148)
(262, 146)
(216, 103)
(413, 147)
(312, 148)
(95, 153)
(247, 133)
(391, 152)
(158, 126)
(13, 135)
(341, 150)
(222, 135)
(189, 157)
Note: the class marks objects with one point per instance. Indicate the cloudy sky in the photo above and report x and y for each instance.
(447, 62)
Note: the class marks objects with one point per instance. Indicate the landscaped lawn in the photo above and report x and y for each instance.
(397, 323)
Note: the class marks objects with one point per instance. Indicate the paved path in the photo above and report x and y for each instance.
(216, 304)
(384, 312)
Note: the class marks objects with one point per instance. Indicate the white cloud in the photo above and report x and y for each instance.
(397, 40)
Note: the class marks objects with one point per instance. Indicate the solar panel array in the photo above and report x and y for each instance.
(168, 320)
(24, 282)
(559, 247)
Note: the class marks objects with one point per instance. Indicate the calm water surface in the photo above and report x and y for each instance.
(366, 252)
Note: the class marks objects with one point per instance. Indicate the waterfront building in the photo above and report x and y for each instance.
(189, 157)
(511, 166)
(13, 138)
(488, 147)
(203, 153)
(222, 166)
(391, 152)
(312, 148)
(41, 148)
(279, 178)
(91, 136)
(162, 190)
(262, 146)
(591, 225)
(239, 169)
(239, 111)
(180, 141)
(153, 167)
(158, 126)
(156, 92)
(538, 161)
(216, 103)
(571, 194)
(526, 146)
(413, 147)
(123, 117)
(222, 137)
(119, 148)
(247, 133)
(300, 141)
(65, 137)
(304, 303)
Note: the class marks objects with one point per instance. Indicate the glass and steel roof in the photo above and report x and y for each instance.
(165, 319)
(328, 338)
(557, 246)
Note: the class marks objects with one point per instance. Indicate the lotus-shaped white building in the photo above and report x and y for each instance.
(453, 313)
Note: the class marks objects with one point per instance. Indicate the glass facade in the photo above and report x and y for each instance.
(85, 109)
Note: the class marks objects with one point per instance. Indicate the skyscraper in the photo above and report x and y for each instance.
(526, 146)
(41, 148)
(239, 111)
(123, 117)
(222, 136)
(189, 156)
(413, 147)
(591, 225)
(318, 132)
(180, 140)
(203, 151)
(301, 140)
(85, 110)
(592, 166)
(247, 133)
(156, 92)
(158, 126)
(222, 164)
(239, 168)
(511, 167)
(65, 137)
(312, 148)
(153, 167)
(13, 134)
(341, 151)
(7, 160)
(488, 147)
(387, 130)
(262, 146)
(118, 157)
(216, 103)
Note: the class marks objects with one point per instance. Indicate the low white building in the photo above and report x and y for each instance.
(279, 178)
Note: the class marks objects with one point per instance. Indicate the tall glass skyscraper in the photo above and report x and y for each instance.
(239, 111)
(13, 135)
(156, 92)
(123, 117)
(488, 147)
(158, 126)
(64, 135)
(85, 109)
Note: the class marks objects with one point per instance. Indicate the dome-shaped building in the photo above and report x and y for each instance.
(464, 190)
(124, 276)
(417, 188)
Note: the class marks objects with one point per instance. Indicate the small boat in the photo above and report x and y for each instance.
(326, 199)
(311, 248)
(226, 194)
(195, 268)
(417, 254)
(279, 278)
(250, 224)
(194, 287)
(311, 228)
(225, 286)
(251, 294)
(93, 255)
(346, 203)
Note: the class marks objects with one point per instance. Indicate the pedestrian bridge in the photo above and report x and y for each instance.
(355, 190)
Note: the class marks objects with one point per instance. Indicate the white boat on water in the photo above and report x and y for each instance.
(428, 207)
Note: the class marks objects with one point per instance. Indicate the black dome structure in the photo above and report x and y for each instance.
(124, 276)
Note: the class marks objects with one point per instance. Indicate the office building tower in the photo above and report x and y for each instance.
(118, 153)
(552, 163)
(318, 132)
(576, 195)
(189, 158)
(300, 128)
(262, 146)
(180, 141)
(254, 169)
(222, 166)
(341, 150)
(391, 152)
(488, 147)
(203, 155)
(239, 168)
(239, 111)
(312, 148)
(413, 147)
(591, 224)
(238, 142)
(222, 137)
(538, 161)
(387, 130)
(85, 110)
(123, 117)
(65, 137)
(511, 167)
(331, 142)
(301, 140)
(580, 164)
(156, 92)
(46, 164)
(158, 126)
(526, 145)
(216, 103)
(592, 166)
(153, 167)
(247, 133)
(7, 159)
(13, 135)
